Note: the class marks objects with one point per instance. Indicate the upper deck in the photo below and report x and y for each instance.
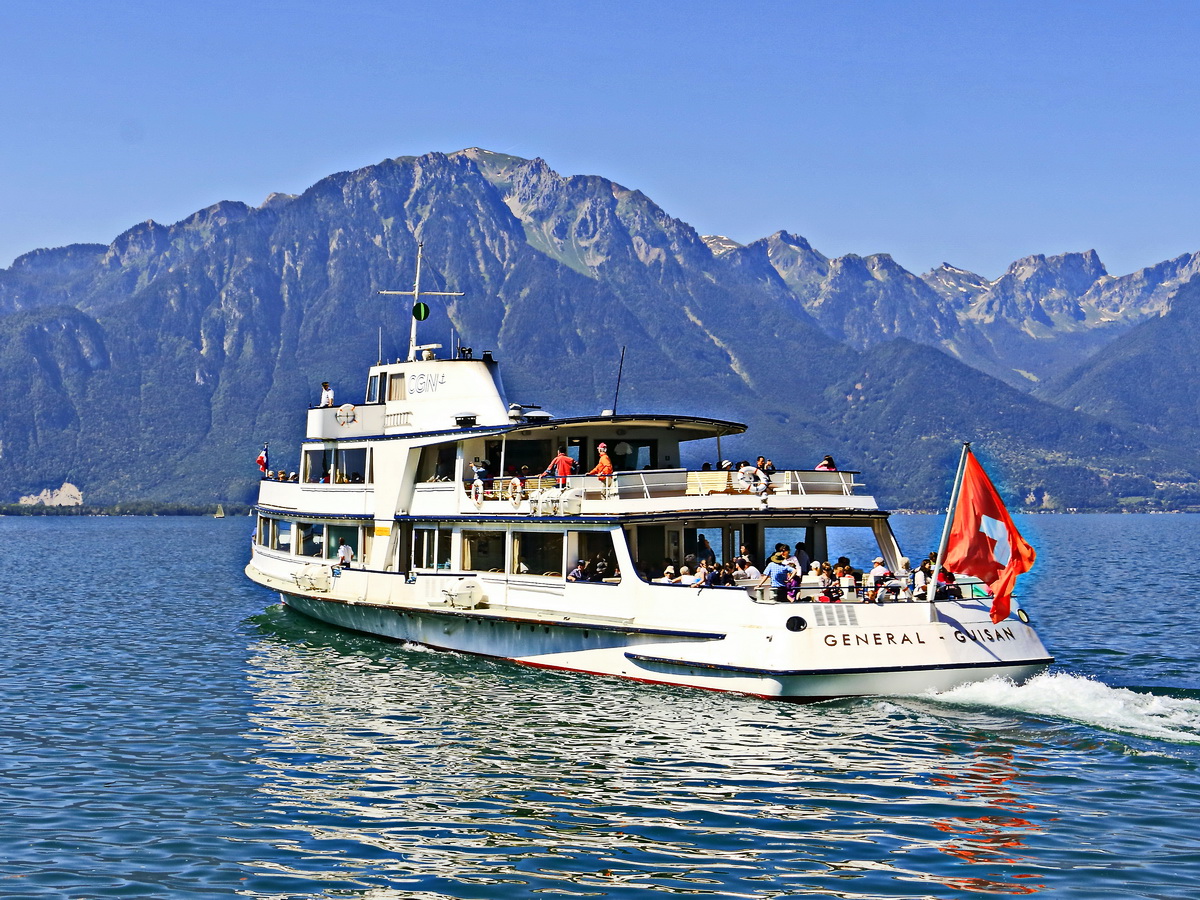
(437, 438)
(661, 491)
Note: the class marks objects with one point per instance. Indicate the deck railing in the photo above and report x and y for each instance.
(649, 483)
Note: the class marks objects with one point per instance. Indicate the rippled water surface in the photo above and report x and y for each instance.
(170, 731)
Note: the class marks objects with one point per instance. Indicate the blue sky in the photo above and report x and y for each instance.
(974, 133)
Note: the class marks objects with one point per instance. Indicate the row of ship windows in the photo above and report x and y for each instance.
(520, 552)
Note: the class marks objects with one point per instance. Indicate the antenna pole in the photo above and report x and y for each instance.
(620, 368)
(416, 293)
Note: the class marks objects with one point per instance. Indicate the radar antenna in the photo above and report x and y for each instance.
(420, 311)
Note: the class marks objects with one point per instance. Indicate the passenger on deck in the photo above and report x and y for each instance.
(560, 466)
(846, 580)
(876, 579)
(802, 557)
(766, 465)
(326, 394)
(921, 577)
(686, 577)
(704, 550)
(947, 588)
(747, 569)
(778, 574)
(668, 575)
(598, 568)
(789, 558)
(579, 572)
(345, 554)
(604, 467)
(724, 576)
(826, 465)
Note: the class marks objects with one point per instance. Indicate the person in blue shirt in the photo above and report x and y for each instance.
(778, 573)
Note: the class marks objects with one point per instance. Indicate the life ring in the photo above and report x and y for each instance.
(515, 491)
(346, 414)
(477, 491)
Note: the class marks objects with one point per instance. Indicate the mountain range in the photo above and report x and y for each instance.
(153, 367)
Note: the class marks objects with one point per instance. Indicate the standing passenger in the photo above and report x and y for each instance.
(561, 466)
(604, 467)
(326, 394)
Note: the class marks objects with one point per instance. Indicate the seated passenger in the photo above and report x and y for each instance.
(746, 569)
(668, 575)
(826, 465)
(947, 588)
(578, 573)
(686, 577)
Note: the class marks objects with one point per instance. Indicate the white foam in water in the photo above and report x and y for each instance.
(1090, 702)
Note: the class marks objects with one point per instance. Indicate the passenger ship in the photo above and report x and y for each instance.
(480, 565)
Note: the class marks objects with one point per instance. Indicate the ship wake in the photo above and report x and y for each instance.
(1089, 702)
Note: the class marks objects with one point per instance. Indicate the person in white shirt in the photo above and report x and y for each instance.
(345, 554)
(747, 569)
(326, 394)
(686, 576)
(876, 578)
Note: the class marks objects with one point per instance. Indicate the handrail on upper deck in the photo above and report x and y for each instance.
(651, 483)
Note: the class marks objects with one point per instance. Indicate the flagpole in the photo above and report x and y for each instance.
(931, 588)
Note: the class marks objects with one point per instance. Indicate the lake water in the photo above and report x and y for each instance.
(169, 730)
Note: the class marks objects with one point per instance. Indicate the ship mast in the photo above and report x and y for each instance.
(418, 307)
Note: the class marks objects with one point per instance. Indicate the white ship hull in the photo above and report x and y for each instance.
(801, 651)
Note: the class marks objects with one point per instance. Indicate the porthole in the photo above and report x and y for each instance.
(1023, 616)
(795, 623)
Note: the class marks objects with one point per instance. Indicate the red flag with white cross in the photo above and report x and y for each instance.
(984, 542)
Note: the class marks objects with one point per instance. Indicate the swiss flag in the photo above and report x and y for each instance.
(984, 542)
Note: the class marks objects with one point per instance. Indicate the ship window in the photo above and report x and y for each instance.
(596, 549)
(267, 532)
(283, 536)
(483, 551)
(350, 534)
(352, 466)
(437, 463)
(372, 389)
(318, 465)
(431, 548)
(395, 388)
(537, 553)
(310, 538)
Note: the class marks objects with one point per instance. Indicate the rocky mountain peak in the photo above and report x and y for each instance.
(719, 244)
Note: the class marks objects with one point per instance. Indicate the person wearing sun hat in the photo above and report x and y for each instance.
(779, 573)
(604, 468)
